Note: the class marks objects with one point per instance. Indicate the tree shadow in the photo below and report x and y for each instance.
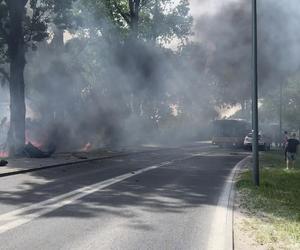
(173, 189)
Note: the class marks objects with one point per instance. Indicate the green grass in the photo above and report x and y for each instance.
(274, 207)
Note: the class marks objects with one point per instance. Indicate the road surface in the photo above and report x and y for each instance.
(157, 200)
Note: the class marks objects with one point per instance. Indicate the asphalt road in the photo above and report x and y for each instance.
(160, 200)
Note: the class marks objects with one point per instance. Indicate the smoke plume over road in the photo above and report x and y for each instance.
(99, 89)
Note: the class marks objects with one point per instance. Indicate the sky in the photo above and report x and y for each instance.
(200, 7)
(206, 7)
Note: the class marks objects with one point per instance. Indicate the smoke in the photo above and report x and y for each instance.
(99, 89)
(4, 116)
(226, 30)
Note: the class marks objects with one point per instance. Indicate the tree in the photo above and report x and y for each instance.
(4, 75)
(23, 23)
(291, 104)
(16, 54)
(270, 109)
(145, 19)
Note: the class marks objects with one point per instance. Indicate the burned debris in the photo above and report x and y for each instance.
(3, 163)
(34, 152)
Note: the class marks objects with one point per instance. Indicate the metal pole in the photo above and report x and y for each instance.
(280, 115)
(255, 97)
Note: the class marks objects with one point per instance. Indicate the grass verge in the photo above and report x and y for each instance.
(272, 210)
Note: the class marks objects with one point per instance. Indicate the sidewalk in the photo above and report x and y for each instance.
(23, 165)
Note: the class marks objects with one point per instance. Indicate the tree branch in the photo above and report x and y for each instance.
(20, 3)
(125, 16)
(143, 4)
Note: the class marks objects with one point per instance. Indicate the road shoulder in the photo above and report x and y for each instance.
(25, 165)
(242, 240)
(268, 217)
(221, 237)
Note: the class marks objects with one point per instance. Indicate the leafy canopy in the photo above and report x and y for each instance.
(157, 19)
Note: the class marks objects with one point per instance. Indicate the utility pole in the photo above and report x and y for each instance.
(255, 96)
(280, 114)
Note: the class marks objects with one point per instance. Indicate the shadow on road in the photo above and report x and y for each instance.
(171, 189)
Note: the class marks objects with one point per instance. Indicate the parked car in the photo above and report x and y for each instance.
(264, 142)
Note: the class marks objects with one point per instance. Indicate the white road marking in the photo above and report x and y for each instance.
(21, 216)
(24, 215)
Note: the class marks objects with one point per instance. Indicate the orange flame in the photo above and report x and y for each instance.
(87, 147)
(32, 141)
(3, 154)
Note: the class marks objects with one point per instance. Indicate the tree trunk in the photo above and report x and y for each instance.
(16, 50)
(155, 22)
(134, 10)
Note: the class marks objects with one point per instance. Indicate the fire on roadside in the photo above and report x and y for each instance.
(3, 154)
(29, 138)
(87, 147)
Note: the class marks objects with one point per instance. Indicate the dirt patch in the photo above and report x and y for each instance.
(247, 227)
(243, 237)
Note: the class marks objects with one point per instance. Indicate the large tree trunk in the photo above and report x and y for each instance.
(16, 49)
(155, 24)
(134, 10)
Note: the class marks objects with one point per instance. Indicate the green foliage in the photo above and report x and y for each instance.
(292, 103)
(158, 19)
(269, 112)
(274, 207)
(39, 16)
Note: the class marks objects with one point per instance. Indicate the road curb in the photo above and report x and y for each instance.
(221, 232)
(23, 171)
